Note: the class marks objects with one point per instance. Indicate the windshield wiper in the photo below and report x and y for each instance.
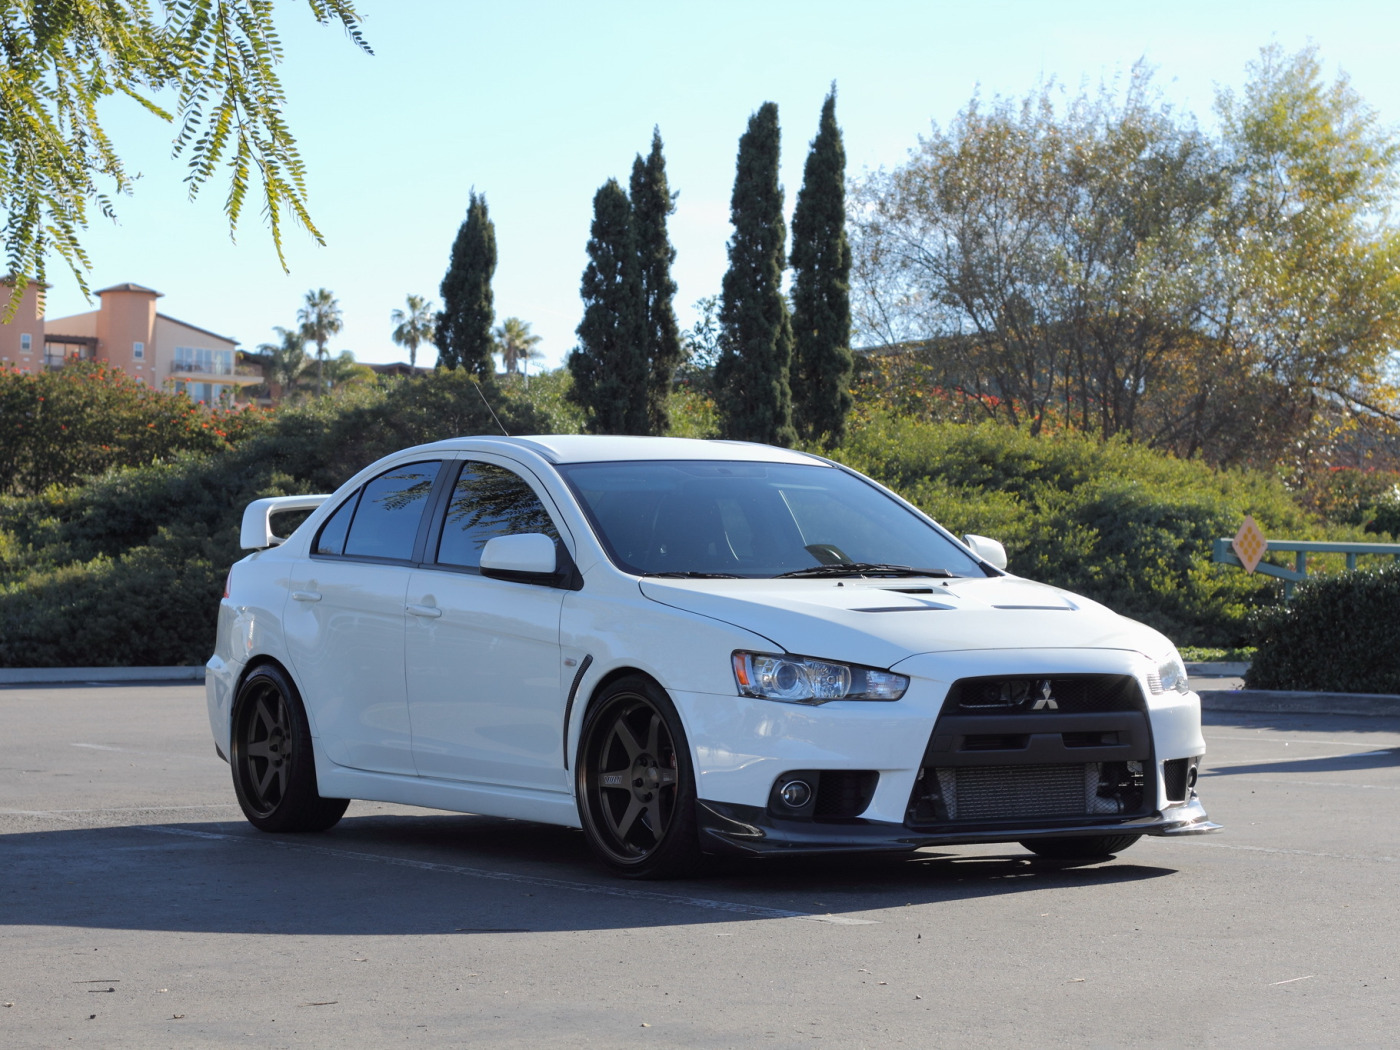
(861, 568)
(694, 575)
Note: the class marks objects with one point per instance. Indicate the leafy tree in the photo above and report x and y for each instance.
(1305, 304)
(344, 370)
(1052, 260)
(1111, 268)
(652, 202)
(751, 375)
(287, 359)
(62, 59)
(608, 365)
(548, 395)
(463, 334)
(700, 347)
(821, 290)
(319, 318)
(413, 327)
(516, 342)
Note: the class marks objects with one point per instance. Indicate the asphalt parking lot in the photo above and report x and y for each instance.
(137, 909)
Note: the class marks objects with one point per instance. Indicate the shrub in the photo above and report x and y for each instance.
(1337, 635)
(155, 605)
(127, 568)
(1116, 522)
(60, 425)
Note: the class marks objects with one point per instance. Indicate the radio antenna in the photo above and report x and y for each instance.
(490, 409)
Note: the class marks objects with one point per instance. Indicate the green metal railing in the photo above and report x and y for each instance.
(1301, 549)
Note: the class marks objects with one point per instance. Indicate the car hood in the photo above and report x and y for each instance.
(880, 622)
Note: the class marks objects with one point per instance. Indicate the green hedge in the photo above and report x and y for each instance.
(127, 568)
(1337, 635)
(1117, 522)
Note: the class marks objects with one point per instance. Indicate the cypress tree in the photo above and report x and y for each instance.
(608, 365)
(651, 203)
(821, 290)
(463, 334)
(751, 375)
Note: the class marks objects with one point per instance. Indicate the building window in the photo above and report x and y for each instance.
(203, 360)
(138, 351)
(26, 342)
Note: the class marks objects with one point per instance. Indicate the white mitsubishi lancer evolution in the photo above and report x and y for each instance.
(684, 647)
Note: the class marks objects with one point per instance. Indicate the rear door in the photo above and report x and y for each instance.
(345, 620)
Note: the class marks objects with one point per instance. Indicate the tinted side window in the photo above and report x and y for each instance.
(332, 537)
(386, 522)
(488, 501)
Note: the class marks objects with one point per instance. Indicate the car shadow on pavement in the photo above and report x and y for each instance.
(453, 874)
(1382, 758)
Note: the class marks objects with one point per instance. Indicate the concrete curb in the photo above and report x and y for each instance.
(1279, 702)
(69, 675)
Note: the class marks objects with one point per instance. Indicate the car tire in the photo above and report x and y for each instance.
(636, 785)
(1080, 847)
(274, 769)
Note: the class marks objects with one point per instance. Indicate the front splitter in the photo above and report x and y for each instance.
(751, 831)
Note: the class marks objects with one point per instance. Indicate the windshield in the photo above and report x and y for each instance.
(705, 518)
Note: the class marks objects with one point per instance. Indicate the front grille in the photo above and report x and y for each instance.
(1067, 694)
(1027, 748)
(991, 794)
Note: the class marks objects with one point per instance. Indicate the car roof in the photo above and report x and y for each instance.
(602, 448)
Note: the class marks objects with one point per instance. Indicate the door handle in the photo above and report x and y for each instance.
(432, 612)
(306, 596)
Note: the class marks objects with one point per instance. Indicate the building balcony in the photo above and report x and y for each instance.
(238, 375)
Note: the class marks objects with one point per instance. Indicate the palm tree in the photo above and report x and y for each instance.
(288, 359)
(320, 319)
(414, 326)
(515, 343)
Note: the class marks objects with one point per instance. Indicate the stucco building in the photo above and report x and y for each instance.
(128, 332)
(22, 340)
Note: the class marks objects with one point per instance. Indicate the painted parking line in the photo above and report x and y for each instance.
(1276, 742)
(113, 810)
(598, 889)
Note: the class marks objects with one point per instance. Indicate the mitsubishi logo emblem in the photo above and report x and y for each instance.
(1046, 701)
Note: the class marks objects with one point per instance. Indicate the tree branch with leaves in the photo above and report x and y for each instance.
(219, 58)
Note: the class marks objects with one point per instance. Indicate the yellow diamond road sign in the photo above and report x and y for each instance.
(1250, 544)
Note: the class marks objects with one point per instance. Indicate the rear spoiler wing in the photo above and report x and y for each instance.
(257, 533)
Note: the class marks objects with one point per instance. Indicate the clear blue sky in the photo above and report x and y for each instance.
(537, 103)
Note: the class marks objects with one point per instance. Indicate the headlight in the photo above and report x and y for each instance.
(1170, 674)
(805, 680)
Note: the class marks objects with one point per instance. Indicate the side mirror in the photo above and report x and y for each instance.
(529, 557)
(988, 549)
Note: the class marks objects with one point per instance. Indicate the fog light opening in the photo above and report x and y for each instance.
(795, 793)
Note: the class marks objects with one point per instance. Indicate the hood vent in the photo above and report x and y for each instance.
(923, 607)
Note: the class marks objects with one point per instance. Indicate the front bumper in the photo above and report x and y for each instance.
(729, 828)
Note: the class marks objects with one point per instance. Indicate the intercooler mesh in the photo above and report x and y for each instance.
(1015, 792)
